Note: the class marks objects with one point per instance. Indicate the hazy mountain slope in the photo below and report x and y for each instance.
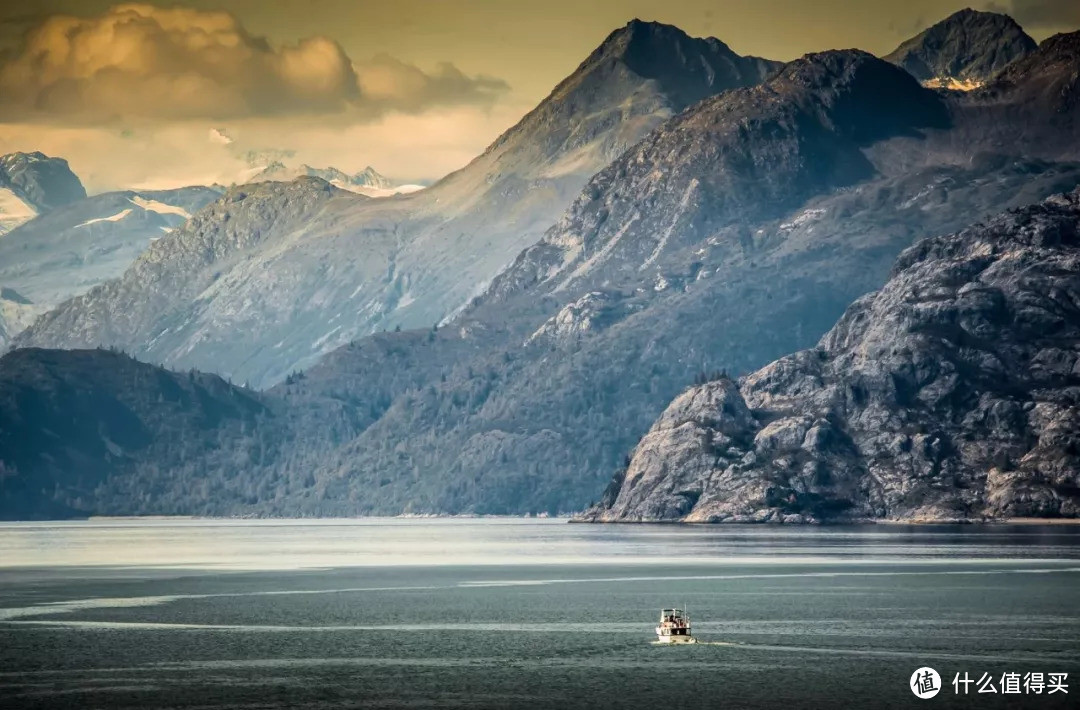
(741, 158)
(951, 393)
(32, 183)
(964, 50)
(72, 248)
(414, 259)
(174, 282)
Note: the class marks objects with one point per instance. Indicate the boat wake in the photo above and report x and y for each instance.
(696, 642)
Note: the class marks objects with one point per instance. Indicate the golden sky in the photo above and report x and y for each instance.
(141, 94)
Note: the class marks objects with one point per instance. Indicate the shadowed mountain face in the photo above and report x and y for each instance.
(963, 51)
(730, 235)
(951, 393)
(358, 266)
(90, 431)
(745, 157)
(44, 182)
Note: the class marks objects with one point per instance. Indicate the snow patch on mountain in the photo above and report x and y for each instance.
(111, 218)
(159, 207)
(13, 210)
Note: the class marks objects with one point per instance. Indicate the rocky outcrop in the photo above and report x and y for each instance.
(963, 51)
(953, 393)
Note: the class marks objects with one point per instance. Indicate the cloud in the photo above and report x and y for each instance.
(142, 61)
(1046, 14)
(392, 83)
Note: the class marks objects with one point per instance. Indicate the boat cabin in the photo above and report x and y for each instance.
(674, 626)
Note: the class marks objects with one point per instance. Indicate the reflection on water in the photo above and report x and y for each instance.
(312, 544)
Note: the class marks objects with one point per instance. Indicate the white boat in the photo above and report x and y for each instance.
(674, 627)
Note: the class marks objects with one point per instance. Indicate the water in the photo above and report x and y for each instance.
(515, 613)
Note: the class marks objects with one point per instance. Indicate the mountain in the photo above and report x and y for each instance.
(191, 264)
(731, 234)
(409, 260)
(16, 313)
(31, 183)
(89, 431)
(951, 393)
(734, 233)
(74, 247)
(367, 182)
(963, 51)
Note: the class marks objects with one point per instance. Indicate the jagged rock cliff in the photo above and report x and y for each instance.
(963, 51)
(951, 393)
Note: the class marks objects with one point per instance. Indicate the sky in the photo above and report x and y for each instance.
(159, 95)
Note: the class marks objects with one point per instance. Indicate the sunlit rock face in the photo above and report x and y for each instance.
(951, 393)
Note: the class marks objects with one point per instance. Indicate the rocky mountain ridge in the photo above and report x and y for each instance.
(953, 393)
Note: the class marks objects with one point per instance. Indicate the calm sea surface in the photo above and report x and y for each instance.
(519, 613)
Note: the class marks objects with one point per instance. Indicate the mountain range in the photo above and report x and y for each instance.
(670, 211)
(953, 393)
(359, 266)
(367, 182)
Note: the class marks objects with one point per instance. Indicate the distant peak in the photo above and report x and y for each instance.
(642, 37)
(970, 15)
(969, 46)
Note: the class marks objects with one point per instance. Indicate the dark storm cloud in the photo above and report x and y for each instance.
(144, 61)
